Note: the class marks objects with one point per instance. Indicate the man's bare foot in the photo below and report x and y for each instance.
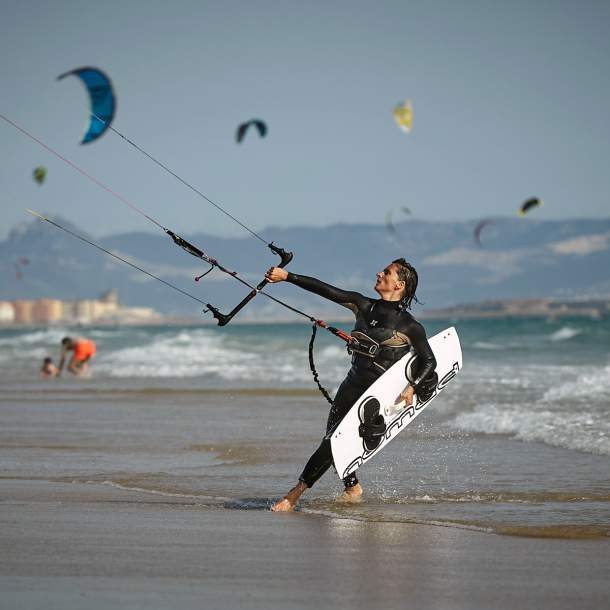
(283, 506)
(286, 504)
(352, 494)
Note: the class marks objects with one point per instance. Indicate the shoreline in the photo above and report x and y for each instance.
(63, 489)
(452, 315)
(114, 548)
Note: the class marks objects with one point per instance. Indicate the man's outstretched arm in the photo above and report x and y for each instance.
(348, 298)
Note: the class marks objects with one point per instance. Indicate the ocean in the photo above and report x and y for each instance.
(519, 444)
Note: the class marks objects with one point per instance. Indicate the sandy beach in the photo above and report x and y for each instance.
(71, 546)
(75, 545)
(157, 499)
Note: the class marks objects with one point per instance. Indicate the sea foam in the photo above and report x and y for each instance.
(565, 333)
(560, 427)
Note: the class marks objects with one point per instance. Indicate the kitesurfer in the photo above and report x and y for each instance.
(83, 350)
(385, 323)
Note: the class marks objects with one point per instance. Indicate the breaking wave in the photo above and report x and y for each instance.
(552, 420)
(565, 333)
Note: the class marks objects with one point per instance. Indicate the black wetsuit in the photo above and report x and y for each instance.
(395, 331)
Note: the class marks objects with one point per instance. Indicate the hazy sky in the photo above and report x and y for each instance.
(510, 100)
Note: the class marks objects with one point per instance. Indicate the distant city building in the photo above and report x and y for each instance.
(23, 311)
(106, 309)
(7, 312)
(133, 315)
(47, 310)
(110, 296)
(83, 310)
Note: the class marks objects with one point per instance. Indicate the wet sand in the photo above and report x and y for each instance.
(157, 499)
(69, 545)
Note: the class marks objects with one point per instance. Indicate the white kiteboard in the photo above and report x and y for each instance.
(349, 448)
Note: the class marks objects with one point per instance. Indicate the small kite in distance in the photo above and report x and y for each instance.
(533, 202)
(22, 261)
(403, 115)
(243, 128)
(39, 174)
(101, 97)
(480, 226)
(388, 220)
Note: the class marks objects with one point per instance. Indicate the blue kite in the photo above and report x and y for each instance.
(102, 98)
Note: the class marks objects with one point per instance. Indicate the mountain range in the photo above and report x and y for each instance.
(517, 258)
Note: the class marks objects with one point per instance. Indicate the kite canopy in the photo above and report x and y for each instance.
(101, 97)
(388, 220)
(243, 128)
(403, 115)
(527, 205)
(480, 226)
(39, 174)
(22, 261)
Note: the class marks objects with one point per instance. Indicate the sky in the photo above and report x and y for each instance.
(509, 101)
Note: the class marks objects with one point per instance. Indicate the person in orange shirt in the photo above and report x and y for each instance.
(83, 350)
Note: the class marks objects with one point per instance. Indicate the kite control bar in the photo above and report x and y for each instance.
(178, 240)
(224, 319)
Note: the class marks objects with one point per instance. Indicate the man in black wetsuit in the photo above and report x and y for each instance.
(384, 322)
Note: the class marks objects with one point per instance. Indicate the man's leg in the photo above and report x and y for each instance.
(287, 503)
(79, 367)
(322, 458)
(316, 466)
(347, 395)
(73, 366)
(353, 489)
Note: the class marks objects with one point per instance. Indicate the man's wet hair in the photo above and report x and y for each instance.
(66, 341)
(406, 273)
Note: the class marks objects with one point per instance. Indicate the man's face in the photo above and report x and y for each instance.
(387, 280)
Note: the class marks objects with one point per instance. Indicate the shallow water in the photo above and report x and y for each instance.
(519, 445)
